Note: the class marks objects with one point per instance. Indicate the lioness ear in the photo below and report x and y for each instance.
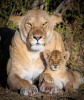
(16, 20)
(57, 18)
(46, 54)
(66, 55)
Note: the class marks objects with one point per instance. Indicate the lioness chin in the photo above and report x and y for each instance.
(35, 34)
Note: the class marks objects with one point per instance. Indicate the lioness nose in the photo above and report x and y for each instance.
(37, 37)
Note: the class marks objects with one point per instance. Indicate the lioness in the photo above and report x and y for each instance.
(57, 77)
(35, 34)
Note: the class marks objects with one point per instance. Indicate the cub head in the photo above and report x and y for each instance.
(36, 28)
(56, 60)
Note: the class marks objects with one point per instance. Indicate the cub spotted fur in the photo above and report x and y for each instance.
(56, 76)
(35, 34)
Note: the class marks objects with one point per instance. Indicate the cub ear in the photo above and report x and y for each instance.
(66, 55)
(57, 18)
(16, 20)
(46, 54)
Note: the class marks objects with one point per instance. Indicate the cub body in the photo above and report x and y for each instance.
(57, 75)
(35, 34)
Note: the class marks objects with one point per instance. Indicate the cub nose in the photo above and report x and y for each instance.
(37, 37)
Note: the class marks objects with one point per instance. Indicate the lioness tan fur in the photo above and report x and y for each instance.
(35, 34)
(57, 77)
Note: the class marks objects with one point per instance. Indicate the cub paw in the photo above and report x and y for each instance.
(29, 91)
(46, 78)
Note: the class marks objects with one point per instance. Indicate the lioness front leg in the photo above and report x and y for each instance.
(17, 83)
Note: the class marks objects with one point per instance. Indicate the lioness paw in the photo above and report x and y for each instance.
(29, 91)
(47, 88)
(57, 90)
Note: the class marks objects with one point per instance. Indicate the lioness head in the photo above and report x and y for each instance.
(56, 60)
(36, 28)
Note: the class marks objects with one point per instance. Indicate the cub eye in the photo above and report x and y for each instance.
(44, 24)
(29, 24)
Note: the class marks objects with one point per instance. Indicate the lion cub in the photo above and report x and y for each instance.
(56, 76)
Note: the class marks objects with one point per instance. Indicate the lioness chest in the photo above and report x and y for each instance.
(32, 69)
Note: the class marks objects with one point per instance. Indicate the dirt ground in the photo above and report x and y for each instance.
(6, 94)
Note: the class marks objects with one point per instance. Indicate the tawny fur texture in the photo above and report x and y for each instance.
(56, 76)
(35, 34)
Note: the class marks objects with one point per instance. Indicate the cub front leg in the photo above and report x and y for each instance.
(17, 83)
(46, 77)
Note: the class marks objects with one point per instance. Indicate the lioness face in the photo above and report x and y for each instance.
(36, 28)
(56, 60)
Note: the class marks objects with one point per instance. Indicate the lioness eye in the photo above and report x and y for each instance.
(44, 24)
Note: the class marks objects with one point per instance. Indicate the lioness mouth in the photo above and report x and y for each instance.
(37, 47)
(38, 44)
